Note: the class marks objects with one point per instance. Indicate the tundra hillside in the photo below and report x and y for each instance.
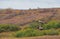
(22, 17)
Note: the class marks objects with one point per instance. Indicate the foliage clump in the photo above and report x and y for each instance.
(52, 25)
(33, 32)
(28, 33)
(8, 27)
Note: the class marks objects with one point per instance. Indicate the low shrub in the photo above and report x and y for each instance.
(33, 32)
(51, 24)
(28, 33)
(34, 25)
(50, 32)
(8, 27)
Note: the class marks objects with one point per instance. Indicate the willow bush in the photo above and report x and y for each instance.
(33, 32)
(8, 27)
(28, 33)
(52, 24)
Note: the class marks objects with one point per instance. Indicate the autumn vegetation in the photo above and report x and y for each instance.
(50, 28)
(25, 23)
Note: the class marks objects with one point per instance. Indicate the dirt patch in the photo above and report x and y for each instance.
(40, 37)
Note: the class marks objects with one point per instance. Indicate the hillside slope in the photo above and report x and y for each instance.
(21, 17)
